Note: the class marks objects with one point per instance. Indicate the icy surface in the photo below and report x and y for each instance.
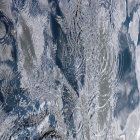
(69, 69)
